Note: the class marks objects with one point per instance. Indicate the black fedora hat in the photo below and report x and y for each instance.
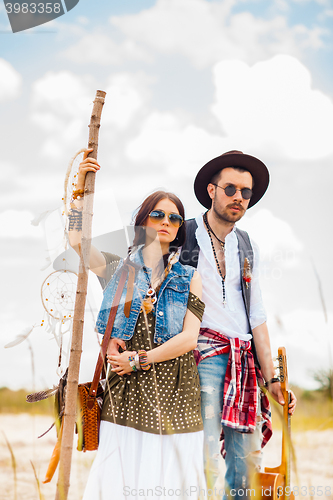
(257, 169)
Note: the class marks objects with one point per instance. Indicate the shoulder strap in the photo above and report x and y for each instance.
(190, 250)
(106, 338)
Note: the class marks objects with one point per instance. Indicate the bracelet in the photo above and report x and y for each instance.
(77, 194)
(272, 381)
(143, 360)
(132, 363)
(137, 362)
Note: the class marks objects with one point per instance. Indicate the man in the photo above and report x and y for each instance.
(228, 264)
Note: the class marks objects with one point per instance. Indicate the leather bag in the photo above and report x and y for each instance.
(90, 394)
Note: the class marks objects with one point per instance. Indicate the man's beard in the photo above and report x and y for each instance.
(224, 216)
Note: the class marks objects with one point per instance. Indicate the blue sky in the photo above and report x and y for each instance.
(186, 80)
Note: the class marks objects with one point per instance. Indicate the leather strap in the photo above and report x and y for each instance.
(101, 357)
(129, 292)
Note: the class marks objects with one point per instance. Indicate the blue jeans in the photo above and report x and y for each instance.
(238, 445)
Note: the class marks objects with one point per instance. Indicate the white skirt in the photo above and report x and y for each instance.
(135, 465)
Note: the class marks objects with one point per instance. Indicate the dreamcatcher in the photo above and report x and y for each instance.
(58, 289)
(58, 294)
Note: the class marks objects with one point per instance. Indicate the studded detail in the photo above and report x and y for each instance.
(134, 402)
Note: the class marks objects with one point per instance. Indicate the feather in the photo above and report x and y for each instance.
(39, 396)
(54, 459)
(21, 337)
(38, 219)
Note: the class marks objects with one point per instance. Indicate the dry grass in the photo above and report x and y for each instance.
(312, 437)
(15, 402)
(314, 412)
(22, 431)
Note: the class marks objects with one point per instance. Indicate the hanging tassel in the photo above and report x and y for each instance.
(247, 274)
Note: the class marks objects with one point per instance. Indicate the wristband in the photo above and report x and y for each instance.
(272, 381)
(143, 360)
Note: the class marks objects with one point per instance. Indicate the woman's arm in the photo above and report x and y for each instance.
(184, 342)
(97, 262)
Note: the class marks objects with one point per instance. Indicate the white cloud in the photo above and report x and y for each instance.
(17, 224)
(272, 106)
(126, 95)
(207, 32)
(166, 140)
(10, 81)
(325, 15)
(268, 108)
(62, 103)
(274, 236)
(99, 48)
(61, 106)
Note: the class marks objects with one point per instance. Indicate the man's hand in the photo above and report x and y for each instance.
(276, 392)
(113, 348)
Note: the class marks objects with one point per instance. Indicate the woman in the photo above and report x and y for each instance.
(151, 437)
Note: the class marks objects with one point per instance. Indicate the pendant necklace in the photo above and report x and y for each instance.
(150, 300)
(151, 297)
(210, 232)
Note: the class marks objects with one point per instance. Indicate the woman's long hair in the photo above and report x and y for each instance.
(148, 206)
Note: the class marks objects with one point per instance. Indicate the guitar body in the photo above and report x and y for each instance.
(274, 483)
(271, 485)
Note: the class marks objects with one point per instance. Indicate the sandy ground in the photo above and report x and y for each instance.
(314, 454)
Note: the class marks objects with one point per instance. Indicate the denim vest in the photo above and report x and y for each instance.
(170, 308)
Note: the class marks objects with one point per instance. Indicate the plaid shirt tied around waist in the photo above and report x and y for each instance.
(242, 381)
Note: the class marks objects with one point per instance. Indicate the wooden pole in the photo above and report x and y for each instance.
(80, 301)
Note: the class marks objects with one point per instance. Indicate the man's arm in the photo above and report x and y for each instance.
(263, 349)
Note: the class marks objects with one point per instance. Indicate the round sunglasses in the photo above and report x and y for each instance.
(159, 215)
(231, 190)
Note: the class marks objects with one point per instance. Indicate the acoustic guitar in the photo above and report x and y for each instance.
(274, 483)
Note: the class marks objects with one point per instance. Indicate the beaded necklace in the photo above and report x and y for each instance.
(210, 232)
(210, 229)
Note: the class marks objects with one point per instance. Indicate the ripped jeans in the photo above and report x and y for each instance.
(238, 445)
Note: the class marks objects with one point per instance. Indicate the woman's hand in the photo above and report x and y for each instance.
(86, 165)
(120, 362)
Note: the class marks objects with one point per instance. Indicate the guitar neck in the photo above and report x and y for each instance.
(286, 428)
(286, 436)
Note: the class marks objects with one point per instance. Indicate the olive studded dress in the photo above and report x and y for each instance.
(164, 399)
(151, 434)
